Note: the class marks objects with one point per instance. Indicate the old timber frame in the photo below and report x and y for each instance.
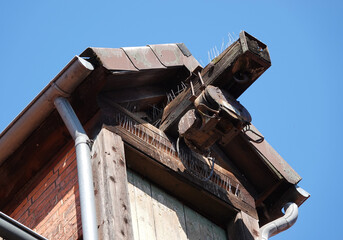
(155, 116)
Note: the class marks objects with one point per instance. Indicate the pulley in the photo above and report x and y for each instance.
(216, 116)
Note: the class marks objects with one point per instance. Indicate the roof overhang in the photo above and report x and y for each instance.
(116, 72)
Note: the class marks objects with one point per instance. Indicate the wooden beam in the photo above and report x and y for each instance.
(245, 56)
(243, 227)
(157, 157)
(111, 188)
(140, 97)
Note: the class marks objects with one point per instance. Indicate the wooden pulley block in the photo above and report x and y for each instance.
(215, 115)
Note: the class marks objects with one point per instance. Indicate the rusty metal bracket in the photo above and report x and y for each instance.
(203, 86)
(248, 129)
(193, 96)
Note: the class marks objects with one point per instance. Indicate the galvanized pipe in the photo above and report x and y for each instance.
(34, 114)
(84, 168)
(281, 224)
(10, 229)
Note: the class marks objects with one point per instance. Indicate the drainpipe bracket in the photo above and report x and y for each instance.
(61, 92)
(82, 139)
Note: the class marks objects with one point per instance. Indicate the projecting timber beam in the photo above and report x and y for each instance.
(151, 153)
(234, 70)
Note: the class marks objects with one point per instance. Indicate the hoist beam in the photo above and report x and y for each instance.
(234, 70)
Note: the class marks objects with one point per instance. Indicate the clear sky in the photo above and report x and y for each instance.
(296, 104)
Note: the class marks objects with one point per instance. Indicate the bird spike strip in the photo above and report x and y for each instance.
(174, 93)
(193, 165)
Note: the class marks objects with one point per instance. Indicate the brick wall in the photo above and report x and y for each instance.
(52, 207)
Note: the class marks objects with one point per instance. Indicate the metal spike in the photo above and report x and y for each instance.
(130, 127)
(154, 139)
(217, 52)
(183, 85)
(173, 94)
(159, 142)
(125, 122)
(143, 135)
(171, 97)
(236, 192)
(226, 183)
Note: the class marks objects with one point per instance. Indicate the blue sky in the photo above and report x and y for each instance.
(296, 104)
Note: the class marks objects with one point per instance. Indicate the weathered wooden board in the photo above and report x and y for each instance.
(110, 187)
(156, 145)
(133, 207)
(142, 212)
(200, 228)
(168, 218)
(243, 227)
(178, 107)
(245, 56)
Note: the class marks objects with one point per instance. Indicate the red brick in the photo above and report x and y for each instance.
(66, 175)
(49, 220)
(29, 221)
(68, 205)
(53, 231)
(23, 217)
(45, 202)
(43, 186)
(65, 161)
(69, 228)
(69, 182)
(18, 212)
(71, 211)
(53, 205)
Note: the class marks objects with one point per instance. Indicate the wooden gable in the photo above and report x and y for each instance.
(131, 105)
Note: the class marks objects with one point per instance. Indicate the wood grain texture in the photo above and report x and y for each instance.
(200, 228)
(243, 202)
(210, 75)
(111, 189)
(243, 227)
(169, 216)
(142, 208)
(165, 217)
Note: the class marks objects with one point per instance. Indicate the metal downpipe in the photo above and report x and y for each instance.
(281, 224)
(34, 114)
(84, 168)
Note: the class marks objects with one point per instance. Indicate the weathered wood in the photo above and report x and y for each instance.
(243, 227)
(153, 154)
(132, 197)
(200, 228)
(181, 104)
(166, 217)
(111, 189)
(141, 203)
(166, 155)
(250, 58)
(271, 158)
(141, 98)
(158, 145)
(169, 216)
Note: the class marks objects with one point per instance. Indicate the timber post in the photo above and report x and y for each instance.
(111, 189)
(243, 227)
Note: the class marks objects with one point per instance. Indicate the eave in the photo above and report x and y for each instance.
(37, 133)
